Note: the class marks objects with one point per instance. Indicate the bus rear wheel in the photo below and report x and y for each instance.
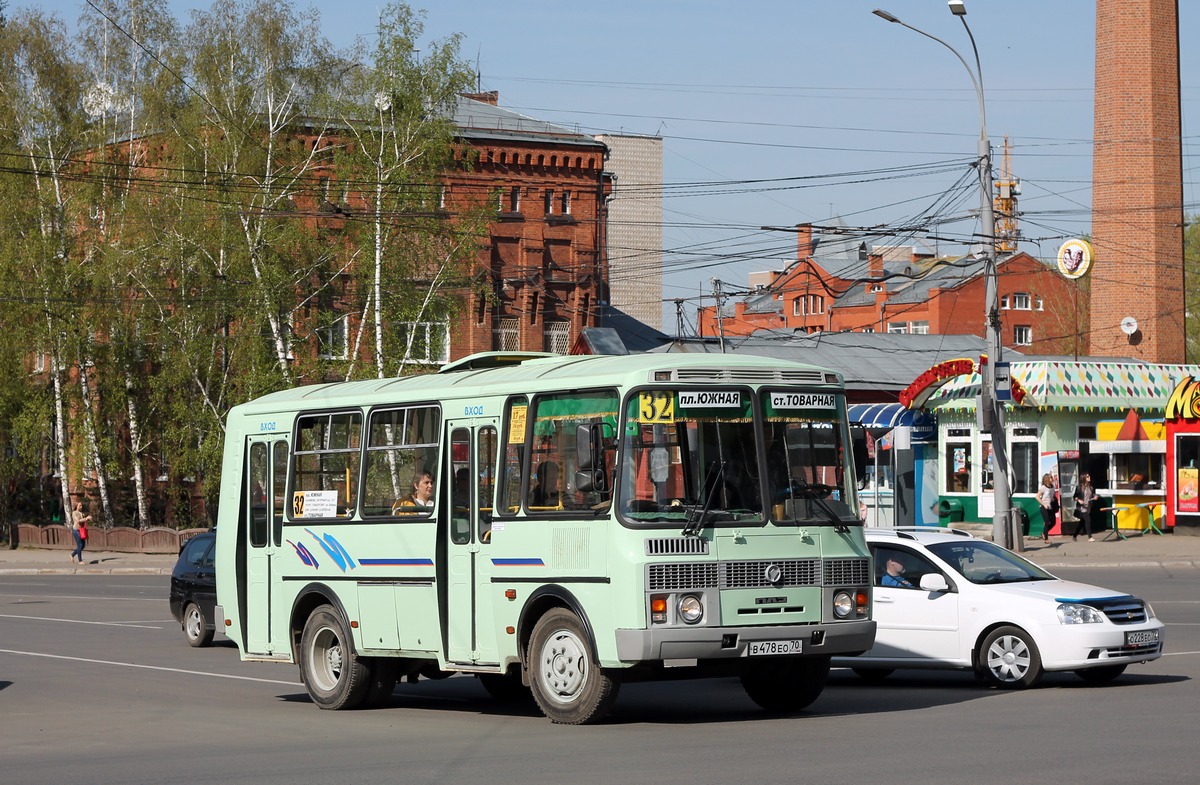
(569, 686)
(786, 685)
(335, 676)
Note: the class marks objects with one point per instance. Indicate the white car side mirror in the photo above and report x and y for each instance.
(934, 581)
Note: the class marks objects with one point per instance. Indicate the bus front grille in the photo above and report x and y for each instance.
(847, 572)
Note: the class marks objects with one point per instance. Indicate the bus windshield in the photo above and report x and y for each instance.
(689, 453)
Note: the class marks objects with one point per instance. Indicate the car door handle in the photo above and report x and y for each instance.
(884, 599)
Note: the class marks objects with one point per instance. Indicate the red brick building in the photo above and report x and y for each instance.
(543, 267)
(907, 290)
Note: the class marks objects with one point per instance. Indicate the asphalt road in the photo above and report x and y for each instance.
(98, 686)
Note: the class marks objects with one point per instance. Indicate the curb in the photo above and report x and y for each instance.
(85, 571)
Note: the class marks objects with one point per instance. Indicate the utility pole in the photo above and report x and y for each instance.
(990, 410)
(716, 285)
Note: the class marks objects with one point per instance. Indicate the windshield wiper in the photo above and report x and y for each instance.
(816, 492)
(695, 523)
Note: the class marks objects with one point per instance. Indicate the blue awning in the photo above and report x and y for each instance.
(887, 415)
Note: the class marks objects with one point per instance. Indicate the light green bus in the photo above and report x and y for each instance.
(554, 525)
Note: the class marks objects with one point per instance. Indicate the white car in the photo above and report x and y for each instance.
(971, 604)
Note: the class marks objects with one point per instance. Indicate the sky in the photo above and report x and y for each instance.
(778, 112)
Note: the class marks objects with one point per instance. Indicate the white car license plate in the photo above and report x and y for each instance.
(768, 648)
(1141, 637)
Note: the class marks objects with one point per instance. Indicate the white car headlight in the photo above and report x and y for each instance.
(1150, 612)
(1074, 613)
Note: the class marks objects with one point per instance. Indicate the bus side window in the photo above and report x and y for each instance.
(513, 466)
(554, 423)
(485, 466)
(327, 458)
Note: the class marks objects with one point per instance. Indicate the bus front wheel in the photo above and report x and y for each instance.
(569, 686)
(335, 676)
(786, 685)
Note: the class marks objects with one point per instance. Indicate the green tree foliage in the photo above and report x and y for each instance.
(167, 192)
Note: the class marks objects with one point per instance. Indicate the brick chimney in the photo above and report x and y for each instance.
(1137, 182)
(804, 241)
(875, 265)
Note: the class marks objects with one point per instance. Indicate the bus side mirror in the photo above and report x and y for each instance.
(858, 440)
(590, 475)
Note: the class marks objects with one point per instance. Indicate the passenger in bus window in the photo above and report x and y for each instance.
(420, 500)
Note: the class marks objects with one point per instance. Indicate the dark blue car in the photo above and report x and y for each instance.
(194, 588)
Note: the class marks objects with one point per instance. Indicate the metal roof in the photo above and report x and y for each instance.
(478, 120)
(883, 362)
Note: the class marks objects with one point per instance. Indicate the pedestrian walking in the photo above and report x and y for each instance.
(79, 530)
(1047, 497)
(1085, 497)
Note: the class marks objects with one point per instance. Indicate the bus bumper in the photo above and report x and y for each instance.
(708, 643)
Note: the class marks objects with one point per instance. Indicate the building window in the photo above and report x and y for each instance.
(1022, 335)
(548, 201)
(797, 310)
(514, 199)
(1038, 305)
(441, 197)
(426, 342)
(558, 337)
(331, 340)
(868, 329)
(1004, 302)
(918, 328)
(1021, 301)
(876, 287)
(897, 328)
(39, 362)
(506, 337)
(566, 203)
(815, 303)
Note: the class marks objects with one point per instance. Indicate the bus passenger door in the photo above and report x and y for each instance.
(472, 464)
(264, 496)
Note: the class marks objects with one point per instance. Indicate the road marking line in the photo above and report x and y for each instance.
(147, 667)
(1177, 653)
(20, 597)
(80, 621)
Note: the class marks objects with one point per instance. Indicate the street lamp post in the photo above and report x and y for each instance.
(990, 409)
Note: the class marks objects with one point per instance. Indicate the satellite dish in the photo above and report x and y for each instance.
(1129, 325)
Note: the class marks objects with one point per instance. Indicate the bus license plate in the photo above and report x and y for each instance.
(1141, 637)
(771, 648)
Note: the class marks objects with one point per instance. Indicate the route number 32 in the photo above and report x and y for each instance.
(656, 407)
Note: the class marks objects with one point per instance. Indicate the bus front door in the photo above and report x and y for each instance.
(264, 496)
(471, 636)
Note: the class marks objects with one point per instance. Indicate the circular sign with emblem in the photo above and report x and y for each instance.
(1074, 258)
(773, 574)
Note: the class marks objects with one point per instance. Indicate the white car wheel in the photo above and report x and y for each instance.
(1009, 659)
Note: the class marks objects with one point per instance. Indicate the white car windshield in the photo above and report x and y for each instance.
(980, 561)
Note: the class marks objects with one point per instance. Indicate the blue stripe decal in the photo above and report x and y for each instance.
(518, 562)
(396, 562)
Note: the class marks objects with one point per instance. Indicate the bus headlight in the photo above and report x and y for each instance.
(690, 609)
(843, 605)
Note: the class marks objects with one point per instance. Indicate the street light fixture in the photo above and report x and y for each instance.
(991, 411)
